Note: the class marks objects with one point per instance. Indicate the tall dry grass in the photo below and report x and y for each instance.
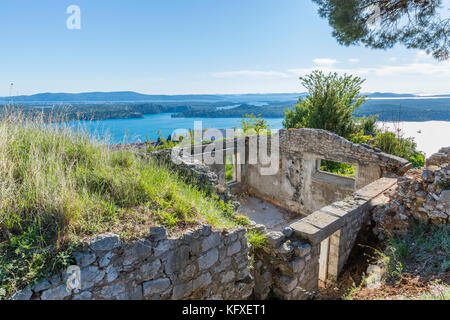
(58, 184)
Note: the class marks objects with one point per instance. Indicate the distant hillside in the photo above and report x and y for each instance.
(130, 96)
(121, 105)
(389, 95)
(388, 110)
(107, 97)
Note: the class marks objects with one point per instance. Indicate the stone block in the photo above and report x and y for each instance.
(177, 259)
(59, 293)
(155, 287)
(182, 290)
(235, 247)
(209, 259)
(202, 281)
(90, 276)
(105, 242)
(214, 240)
(84, 259)
(44, 284)
(158, 233)
(24, 294)
(287, 284)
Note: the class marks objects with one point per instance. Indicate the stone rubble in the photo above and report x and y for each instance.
(421, 195)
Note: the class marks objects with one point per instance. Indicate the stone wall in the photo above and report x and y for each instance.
(300, 186)
(200, 264)
(420, 195)
(333, 147)
(286, 266)
(438, 159)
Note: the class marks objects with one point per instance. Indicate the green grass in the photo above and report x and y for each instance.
(229, 169)
(58, 185)
(256, 239)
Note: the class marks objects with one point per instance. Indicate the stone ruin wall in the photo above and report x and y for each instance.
(286, 267)
(421, 195)
(300, 186)
(201, 264)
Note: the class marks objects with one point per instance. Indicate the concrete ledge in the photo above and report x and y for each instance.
(375, 188)
(323, 223)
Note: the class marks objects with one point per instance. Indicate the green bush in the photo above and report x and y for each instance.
(342, 169)
(405, 148)
(330, 104)
(252, 124)
(256, 239)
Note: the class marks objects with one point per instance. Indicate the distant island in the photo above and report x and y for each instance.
(126, 105)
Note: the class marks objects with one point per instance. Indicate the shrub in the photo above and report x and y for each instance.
(390, 143)
(252, 124)
(330, 104)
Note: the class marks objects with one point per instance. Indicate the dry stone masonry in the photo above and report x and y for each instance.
(201, 264)
(422, 195)
(286, 267)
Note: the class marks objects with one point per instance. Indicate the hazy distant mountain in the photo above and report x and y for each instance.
(106, 97)
(389, 95)
(130, 96)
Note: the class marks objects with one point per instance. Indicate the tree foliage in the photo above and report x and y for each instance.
(380, 24)
(251, 123)
(330, 103)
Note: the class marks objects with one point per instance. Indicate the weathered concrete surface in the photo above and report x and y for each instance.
(274, 218)
(321, 224)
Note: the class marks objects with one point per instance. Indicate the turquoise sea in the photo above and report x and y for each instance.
(430, 136)
(130, 130)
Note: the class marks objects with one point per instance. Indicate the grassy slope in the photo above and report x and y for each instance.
(59, 186)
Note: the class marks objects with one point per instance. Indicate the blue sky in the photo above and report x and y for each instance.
(191, 46)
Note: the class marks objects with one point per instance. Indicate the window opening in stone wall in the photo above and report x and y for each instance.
(339, 168)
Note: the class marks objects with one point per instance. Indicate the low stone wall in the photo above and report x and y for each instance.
(420, 195)
(285, 267)
(440, 158)
(200, 264)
